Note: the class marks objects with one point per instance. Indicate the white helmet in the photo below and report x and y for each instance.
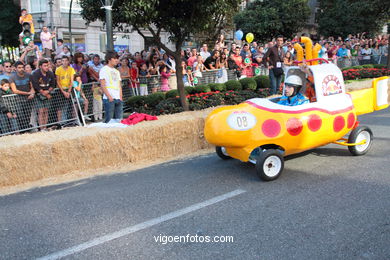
(294, 80)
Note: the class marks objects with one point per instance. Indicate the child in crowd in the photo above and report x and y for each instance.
(6, 116)
(78, 87)
(97, 103)
(248, 70)
(164, 78)
(143, 75)
(188, 78)
(134, 78)
(30, 54)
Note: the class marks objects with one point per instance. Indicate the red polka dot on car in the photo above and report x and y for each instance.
(314, 122)
(271, 128)
(351, 120)
(338, 123)
(294, 126)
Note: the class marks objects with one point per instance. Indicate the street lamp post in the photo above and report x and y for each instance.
(108, 8)
(70, 26)
(51, 21)
(51, 15)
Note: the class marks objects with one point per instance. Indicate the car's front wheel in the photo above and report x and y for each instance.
(269, 165)
(221, 152)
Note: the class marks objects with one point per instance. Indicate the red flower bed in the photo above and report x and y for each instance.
(365, 73)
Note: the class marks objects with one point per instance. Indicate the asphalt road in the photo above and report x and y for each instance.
(326, 205)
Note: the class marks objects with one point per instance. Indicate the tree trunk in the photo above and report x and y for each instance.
(179, 79)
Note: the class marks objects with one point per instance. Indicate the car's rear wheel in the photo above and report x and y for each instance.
(360, 134)
(221, 152)
(269, 165)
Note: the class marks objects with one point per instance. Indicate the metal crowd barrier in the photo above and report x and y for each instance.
(344, 62)
(37, 113)
(34, 114)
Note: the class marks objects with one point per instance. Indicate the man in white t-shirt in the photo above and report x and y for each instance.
(110, 82)
(204, 52)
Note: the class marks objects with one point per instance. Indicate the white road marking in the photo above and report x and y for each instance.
(67, 187)
(140, 226)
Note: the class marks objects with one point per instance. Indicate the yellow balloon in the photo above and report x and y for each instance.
(250, 37)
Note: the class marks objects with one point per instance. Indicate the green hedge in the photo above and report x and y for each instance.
(248, 83)
(202, 89)
(262, 81)
(136, 101)
(366, 66)
(152, 100)
(168, 106)
(233, 85)
(217, 86)
(189, 90)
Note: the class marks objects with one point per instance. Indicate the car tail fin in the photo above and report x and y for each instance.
(371, 99)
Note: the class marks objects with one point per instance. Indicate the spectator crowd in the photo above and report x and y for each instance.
(38, 73)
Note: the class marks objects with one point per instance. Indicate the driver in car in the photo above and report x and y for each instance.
(292, 95)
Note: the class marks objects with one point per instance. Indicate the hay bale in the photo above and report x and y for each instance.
(33, 157)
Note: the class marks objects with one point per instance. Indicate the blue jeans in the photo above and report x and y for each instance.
(275, 81)
(8, 124)
(112, 110)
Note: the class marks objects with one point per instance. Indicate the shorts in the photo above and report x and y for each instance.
(81, 101)
(43, 103)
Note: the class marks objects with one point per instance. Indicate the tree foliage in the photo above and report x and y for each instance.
(180, 18)
(9, 23)
(268, 18)
(343, 17)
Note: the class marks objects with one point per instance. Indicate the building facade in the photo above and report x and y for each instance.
(89, 38)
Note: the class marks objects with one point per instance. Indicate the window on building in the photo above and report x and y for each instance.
(65, 4)
(78, 43)
(149, 42)
(38, 6)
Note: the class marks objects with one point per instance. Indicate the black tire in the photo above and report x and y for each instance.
(269, 165)
(221, 152)
(357, 135)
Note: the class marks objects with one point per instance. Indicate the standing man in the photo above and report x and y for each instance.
(60, 47)
(7, 73)
(245, 53)
(47, 41)
(65, 75)
(110, 82)
(274, 57)
(204, 52)
(94, 68)
(21, 85)
(43, 81)
(211, 62)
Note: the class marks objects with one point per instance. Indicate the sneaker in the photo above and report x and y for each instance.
(87, 118)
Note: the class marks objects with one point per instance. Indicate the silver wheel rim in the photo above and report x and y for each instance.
(223, 150)
(272, 166)
(363, 136)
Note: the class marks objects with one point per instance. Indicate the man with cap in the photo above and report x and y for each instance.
(292, 97)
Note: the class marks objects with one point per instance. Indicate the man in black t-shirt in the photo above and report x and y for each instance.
(211, 62)
(43, 81)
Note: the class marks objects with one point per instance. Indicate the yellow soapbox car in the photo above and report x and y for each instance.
(262, 132)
